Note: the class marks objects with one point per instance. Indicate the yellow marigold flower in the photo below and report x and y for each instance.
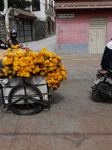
(9, 49)
(47, 61)
(10, 77)
(27, 74)
(0, 74)
(53, 85)
(15, 47)
(58, 58)
(14, 72)
(35, 61)
(50, 59)
(55, 62)
(5, 74)
(37, 54)
(44, 49)
(18, 45)
(60, 77)
(16, 68)
(32, 66)
(51, 64)
(42, 73)
(66, 81)
(10, 71)
(11, 55)
(12, 46)
(53, 55)
(51, 68)
(63, 73)
(62, 67)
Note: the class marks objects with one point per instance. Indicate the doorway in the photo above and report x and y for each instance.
(97, 35)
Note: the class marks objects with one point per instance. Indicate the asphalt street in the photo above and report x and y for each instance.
(74, 121)
(37, 46)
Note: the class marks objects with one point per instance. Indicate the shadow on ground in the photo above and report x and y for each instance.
(56, 98)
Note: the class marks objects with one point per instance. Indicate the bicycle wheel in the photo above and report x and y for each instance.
(25, 99)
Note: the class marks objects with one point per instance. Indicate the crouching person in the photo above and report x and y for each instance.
(13, 38)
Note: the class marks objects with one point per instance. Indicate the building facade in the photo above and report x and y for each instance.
(37, 24)
(83, 26)
(45, 23)
(19, 20)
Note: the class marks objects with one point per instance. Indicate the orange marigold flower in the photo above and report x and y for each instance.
(10, 77)
(12, 46)
(9, 49)
(54, 89)
(0, 74)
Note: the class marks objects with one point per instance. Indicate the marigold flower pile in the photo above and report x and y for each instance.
(26, 64)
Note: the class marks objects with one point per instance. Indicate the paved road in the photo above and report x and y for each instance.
(37, 46)
(74, 122)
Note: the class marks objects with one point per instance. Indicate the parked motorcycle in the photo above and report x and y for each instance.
(102, 90)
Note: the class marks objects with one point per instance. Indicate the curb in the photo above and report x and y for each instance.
(81, 59)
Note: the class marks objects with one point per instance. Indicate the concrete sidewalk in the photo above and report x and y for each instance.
(80, 56)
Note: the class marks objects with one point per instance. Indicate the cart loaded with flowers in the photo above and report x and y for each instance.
(28, 79)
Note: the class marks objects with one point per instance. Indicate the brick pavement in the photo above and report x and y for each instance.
(79, 56)
(74, 122)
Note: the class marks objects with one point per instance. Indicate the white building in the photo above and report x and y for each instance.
(44, 11)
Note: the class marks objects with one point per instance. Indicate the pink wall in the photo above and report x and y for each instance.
(77, 30)
(66, 1)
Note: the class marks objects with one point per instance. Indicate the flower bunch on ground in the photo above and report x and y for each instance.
(26, 64)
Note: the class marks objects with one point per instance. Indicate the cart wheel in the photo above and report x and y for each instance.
(24, 97)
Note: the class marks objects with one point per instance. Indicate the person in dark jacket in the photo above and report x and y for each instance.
(106, 61)
(3, 46)
(13, 38)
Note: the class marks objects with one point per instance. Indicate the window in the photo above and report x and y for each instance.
(46, 4)
(24, 30)
(36, 5)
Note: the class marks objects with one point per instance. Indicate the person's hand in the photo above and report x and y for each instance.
(6, 46)
(104, 72)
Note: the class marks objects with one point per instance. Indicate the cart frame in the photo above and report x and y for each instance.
(27, 104)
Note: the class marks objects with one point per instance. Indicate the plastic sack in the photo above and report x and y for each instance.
(38, 81)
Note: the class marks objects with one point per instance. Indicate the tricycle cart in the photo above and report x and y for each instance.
(24, 87)
(25, 96)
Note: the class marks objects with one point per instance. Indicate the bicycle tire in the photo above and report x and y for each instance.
(25, 106)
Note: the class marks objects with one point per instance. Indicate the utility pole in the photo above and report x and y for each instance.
(6, 18)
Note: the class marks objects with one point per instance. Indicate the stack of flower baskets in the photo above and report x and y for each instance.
(22, 63)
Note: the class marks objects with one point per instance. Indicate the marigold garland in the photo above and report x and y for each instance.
(23, 63)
